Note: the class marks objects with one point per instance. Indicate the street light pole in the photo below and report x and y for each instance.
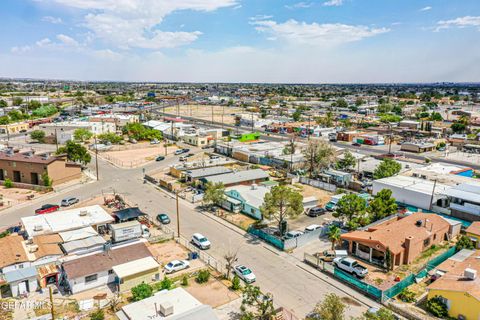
(96, 157)
(56, 139)
(178, 214)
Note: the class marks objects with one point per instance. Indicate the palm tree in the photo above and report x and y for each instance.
(334, 234)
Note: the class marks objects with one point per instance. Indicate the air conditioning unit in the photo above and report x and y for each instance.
(38, 227)
(33, 248)
(83, 213)
(166, 309)
(470, 274)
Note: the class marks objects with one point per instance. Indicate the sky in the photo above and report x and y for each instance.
(278, 41)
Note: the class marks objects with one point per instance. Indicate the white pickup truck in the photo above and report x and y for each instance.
(351, 266)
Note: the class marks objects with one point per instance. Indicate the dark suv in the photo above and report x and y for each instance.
(316, 211)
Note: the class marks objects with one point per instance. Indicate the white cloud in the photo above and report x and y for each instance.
(106, 54)
(461, 22)
(333, 3)
(51, 19)
(67, 41)
(44, 42)
(21, 49)
(315, 34)
(299, 5)
(135, 23)
(427, 8)
(259, 17)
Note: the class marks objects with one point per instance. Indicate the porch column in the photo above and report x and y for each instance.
(370, 257)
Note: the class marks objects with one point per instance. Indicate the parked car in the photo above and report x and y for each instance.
(351, 266)
(356, 144)
(330, 255)
(47, 208)
(186, 150)
(312, 227)
(176, 265)
(160, 158)
(244, 273)
(154, 141)
(182, 158)
(69, 201)
(163, 218)
(179, 151)
(132, 141)
(316, 211)
(200, 241)
(293, 234)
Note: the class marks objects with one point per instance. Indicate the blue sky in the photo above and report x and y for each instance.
(316, 41)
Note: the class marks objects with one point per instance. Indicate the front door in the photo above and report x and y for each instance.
(16, 176)
(34, 178)
(22, 287)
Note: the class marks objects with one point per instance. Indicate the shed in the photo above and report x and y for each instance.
(135, 272)
(128, 214)
(22, 281)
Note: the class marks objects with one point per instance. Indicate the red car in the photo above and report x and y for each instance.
(47, 208)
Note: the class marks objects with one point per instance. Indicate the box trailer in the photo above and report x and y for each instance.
(126, 231)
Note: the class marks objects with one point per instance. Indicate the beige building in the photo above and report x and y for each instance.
(196, 140)
(14, 127)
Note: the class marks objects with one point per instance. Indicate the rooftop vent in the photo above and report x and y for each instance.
(38, 227)
(83, 213)
(470, 274)
(166, 309)
(419, 223)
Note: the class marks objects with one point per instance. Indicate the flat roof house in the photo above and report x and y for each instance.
(473, 232)
(417, 147)
(236, 178)
(195, 174)
(406, 238)
(459, 286)
(465, 201)
(29, 168)
(97, 269)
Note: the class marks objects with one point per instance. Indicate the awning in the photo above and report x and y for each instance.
(47, 270)
(128, 214)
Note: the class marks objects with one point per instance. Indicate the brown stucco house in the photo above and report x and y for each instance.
(28, 168)
(406, 238)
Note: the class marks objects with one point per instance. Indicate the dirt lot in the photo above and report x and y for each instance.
(168, 251)
(213, 293)
(205, 112)
(323, 196)
(239, 219)
(133, 157)
(15, 196)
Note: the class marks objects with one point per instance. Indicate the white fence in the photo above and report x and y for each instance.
(305, 238)
(318, 184)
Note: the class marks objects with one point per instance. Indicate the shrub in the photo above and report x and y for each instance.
(437, 307)
(407, 295)
(166, 284)
(141, 291)
(110, 137)
(97, 315)
(185, 281)
(203, 276)
(235, 283)
(8, 183)
(464, 243)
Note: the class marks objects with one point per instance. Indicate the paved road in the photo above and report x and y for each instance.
(277, 272)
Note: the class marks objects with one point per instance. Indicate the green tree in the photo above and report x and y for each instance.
(109, 99)
(141, 291)
(331, 308)
(388, 259)
(297, 115)
(214, 194)
(280, 203)
(82, 134)
(334, 233)
(384, 108)
(166, 284)
(318, 155)
(38, 135)
(382, 314)
(3, 103)
(44, 111)
(75, 152)
(16, 115)
(256, 305)
(387, 168)
(97, 315)
(203, 276)
(110, 137)
(352, 208)
(236, 283)
(359, 101)
(8, 183)
(17, 101)
(389, 118)
(464, 242)
(436, 116)
(47, 181)
(34, 104)
(4, 120)
(382, 205)
(342, 103)
(458, 127)
(347, 162)
(407, 295)
(437, 307)
(139, 132)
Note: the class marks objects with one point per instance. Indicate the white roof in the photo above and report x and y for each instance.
(87, 243)
(444, 168)
(253, 197)
(61, 221)
(185, 306)
(414, 184)
(466, 191)
(135, 267)
(78, 234)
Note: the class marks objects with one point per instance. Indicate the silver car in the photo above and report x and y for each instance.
(67, 202)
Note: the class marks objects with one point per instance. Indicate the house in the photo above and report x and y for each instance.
(473, 232)
(175, 304)
(96, 269)
(339, 178)
(195, 174)
(197, 140)
(13, 128)
(249, 199)
(12, 254)
(413, 191)
(29, 168)
(132, 273)
(459, 286)
(406, 238)
(409, 124)
(246, 177)
(417, 147)
(465, 201)
(66, 220)
(20, 281)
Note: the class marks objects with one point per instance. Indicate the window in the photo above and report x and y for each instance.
(91, 278)
(434, 236)
(110, 271)
(426, 242)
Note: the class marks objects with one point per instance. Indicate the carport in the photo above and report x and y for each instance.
(128, 214)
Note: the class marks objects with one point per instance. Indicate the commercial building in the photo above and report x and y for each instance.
(12, 128)
(406, 238)
(175, 304)
(96, 269)
(30, 169)
(459, 285)
(417, 147)
(465, 201)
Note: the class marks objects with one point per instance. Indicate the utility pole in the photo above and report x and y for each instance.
(390, 138)
(212, 113)
(178, 214)
(433, 194)
(52, 311)
(56, 140)
(96, 156)
(252, 122)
